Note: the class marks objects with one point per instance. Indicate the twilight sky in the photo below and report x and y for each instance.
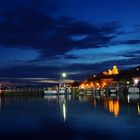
(42, 38)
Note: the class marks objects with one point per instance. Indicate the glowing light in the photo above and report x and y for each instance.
(128, 99)
(113, 71)
(87, 85)
(111, 106)
(64, 75)
(138, 109)
(104, 84)
(136, 81)
(128, 82)
(97, 84)
(82, 86)
(116, 108)
(64, 111)
(91, 84)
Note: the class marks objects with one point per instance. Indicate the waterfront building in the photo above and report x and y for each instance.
(113, 71)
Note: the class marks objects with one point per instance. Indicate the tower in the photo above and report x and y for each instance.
(115, 70)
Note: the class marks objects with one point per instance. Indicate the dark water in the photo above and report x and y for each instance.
(69, 118)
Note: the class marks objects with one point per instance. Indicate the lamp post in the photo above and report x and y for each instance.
(61, 87)
(62, 76)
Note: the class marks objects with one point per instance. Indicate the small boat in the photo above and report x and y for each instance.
(113, 91)
(81, 91)
(102, 92)
(61, 90)
(133, 93)
(50, 91)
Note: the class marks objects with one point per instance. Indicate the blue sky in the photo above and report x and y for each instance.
(81, 37)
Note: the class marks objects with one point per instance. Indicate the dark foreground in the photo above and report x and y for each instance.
(69, 118)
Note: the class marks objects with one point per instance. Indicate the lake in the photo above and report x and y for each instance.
(69, 118)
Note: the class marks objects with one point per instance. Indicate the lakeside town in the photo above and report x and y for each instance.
(108, 83)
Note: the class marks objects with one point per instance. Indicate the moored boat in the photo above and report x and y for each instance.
(50, 91)
(133, 93)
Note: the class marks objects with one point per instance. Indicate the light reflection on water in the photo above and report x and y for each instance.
(71, 117)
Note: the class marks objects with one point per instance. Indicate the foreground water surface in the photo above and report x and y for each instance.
(71, 117)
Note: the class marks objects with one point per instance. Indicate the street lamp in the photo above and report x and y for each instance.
(136, 81)
(64, 75)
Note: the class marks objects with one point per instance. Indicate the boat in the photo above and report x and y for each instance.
(102, 92)
(64, 89)
(113, 91)
(61, 90)
(51, 91)
(133, 93)
(81, 91)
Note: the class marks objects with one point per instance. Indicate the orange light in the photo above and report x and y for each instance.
(82, 86)
(91, 84)
(105, 102)
(97, 84)
(116, 108)
(111, 105)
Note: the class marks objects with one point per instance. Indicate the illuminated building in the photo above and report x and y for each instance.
(110, 72)
(113, 71)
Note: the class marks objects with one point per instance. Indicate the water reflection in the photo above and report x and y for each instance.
(105, 103)
(94, 102)
(61, 100)
(0, 103)
(112, 105)
(61, 115)
(138, 109)
(116, 108)
(64, 111)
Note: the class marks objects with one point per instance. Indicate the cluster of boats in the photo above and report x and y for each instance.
(132, 92)
(57, 90)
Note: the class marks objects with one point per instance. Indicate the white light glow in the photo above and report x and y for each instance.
(138, 109)
(64, 111)
(136, 81)
(64, 75)
(128, 99)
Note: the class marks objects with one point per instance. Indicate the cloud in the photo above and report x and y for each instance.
(28, 26)
(31, 24)
(75, 71)
(134, 54)
(70, 56)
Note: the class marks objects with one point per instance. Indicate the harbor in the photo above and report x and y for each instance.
(57, 117)
(69, 69)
